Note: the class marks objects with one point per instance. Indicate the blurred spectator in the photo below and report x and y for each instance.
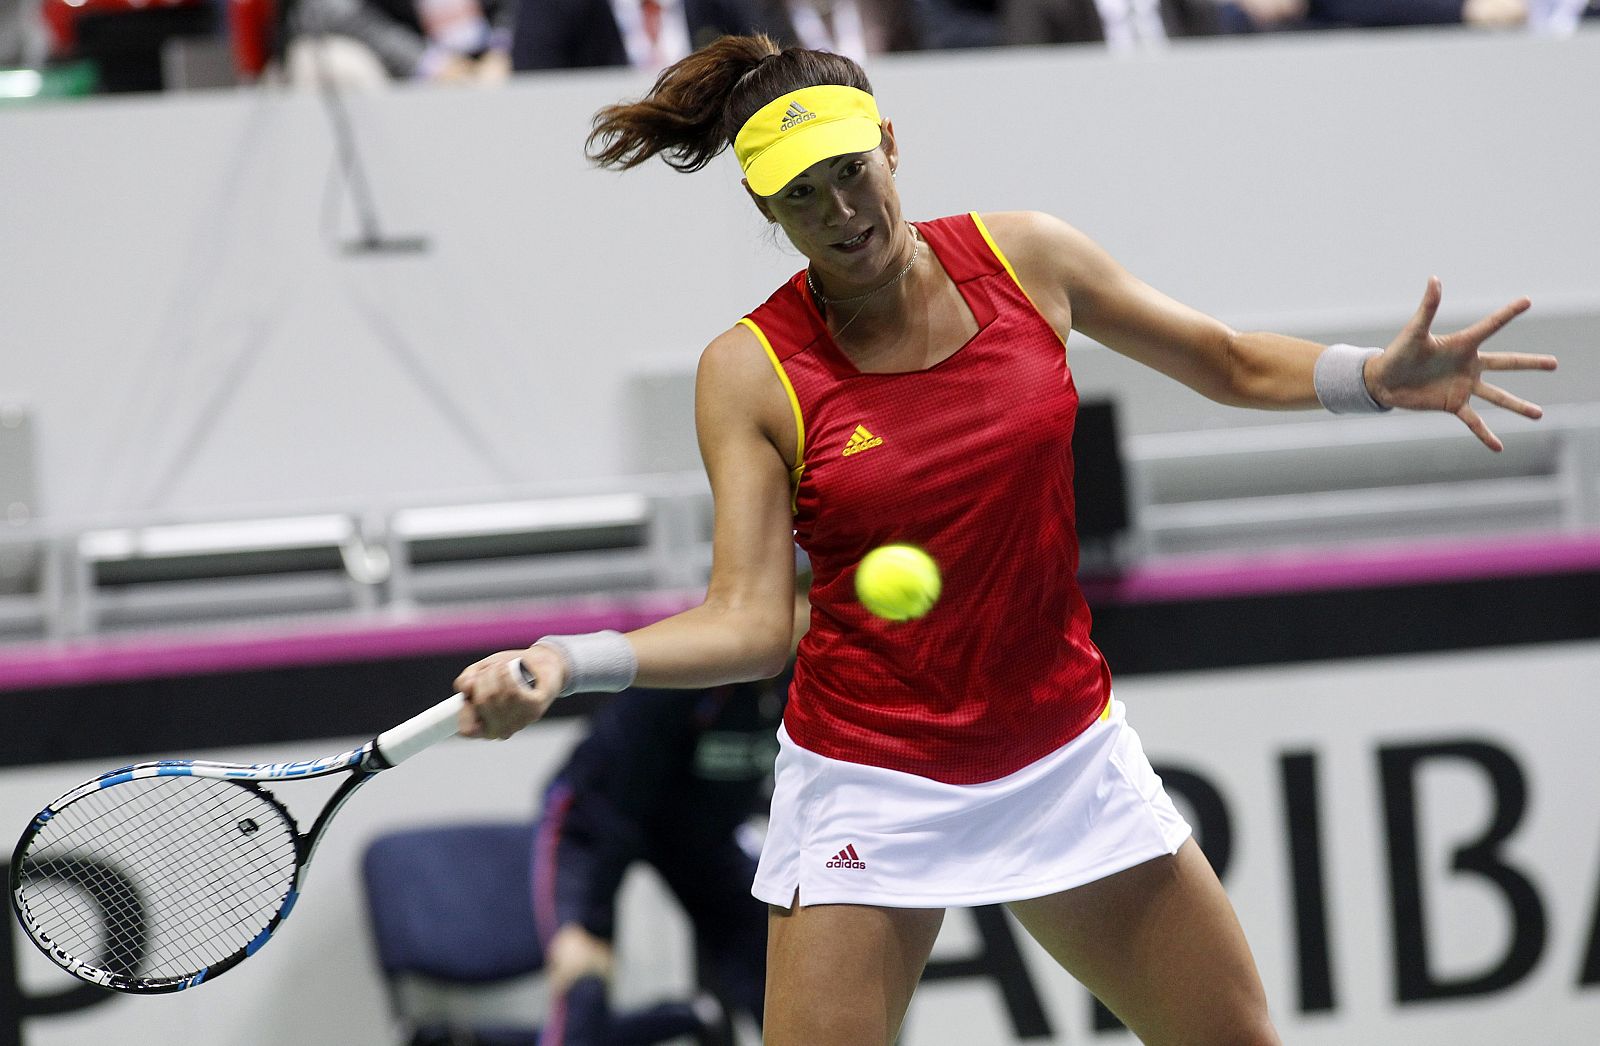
(1120, 24)
(126, 41)
(22, 36)
(668, 779)
(1497, 14)
(1549, 16)
(1560, 16)
(140, 45)
(1256, 16)
(854, 28)
(947, 24)
(367, 43)
(646, 34)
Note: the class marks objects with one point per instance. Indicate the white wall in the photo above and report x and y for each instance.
(1233, 727)
(316, 981)
(176, 314)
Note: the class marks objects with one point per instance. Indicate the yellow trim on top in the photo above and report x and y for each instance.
(794, 405)
(998, 253)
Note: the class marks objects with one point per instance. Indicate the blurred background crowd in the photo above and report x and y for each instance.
(61, 47)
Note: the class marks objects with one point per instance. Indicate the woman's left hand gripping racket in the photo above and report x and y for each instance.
(159, 876)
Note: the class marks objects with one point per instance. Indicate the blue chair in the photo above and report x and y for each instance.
(452, 905)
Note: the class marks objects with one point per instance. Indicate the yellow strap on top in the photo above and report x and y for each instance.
(794, 405)
(998, 253)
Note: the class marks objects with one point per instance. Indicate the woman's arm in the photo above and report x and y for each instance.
(1076, 283)
(747, 439)
(744, 628)
(1097, 296)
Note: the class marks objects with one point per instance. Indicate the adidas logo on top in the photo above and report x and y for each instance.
(847, 858)
(796, 115)
(860, 440)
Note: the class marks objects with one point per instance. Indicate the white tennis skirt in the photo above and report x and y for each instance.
(846, 833)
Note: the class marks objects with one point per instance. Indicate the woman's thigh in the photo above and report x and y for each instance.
(843, 974)
(1161, 946)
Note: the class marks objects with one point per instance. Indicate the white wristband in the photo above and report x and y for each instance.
(596, 662)
(1339, 381)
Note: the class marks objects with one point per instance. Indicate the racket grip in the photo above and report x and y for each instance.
(399, 743)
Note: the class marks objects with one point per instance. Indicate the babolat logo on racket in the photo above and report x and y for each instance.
(847, 858)
(796, 115)
(63, 958)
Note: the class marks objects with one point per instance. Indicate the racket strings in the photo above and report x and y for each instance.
(122, 913)
(101, 881)
(120, 908)
(159, 877)
(233, 877)
(219, 886)
(89, 897)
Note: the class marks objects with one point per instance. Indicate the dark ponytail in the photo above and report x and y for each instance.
(698, 105)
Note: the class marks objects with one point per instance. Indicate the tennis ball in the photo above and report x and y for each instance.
(897, 582)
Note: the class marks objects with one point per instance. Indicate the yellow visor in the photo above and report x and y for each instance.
(791, 133)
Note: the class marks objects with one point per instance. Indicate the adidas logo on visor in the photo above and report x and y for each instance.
(795, 115)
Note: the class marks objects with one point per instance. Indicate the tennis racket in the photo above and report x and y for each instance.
(160, 876)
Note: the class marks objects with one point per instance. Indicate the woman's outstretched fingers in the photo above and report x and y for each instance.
(1507, 401)
(1516, 361)
(1469, 417)
(1422, 321)
(1487, 327)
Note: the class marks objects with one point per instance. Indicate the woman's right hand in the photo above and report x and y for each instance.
(499, 702)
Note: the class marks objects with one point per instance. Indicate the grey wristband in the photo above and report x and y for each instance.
(597, 662)
(1339, 382)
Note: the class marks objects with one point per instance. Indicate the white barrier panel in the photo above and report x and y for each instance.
(1462, 784)
(1458, 785)
(189, 252)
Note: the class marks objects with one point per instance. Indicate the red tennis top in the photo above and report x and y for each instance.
(970, 459)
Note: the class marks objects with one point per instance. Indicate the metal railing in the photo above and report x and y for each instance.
(1338, 481)
(1310, 484)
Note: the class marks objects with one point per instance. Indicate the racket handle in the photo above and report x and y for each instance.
(399, 743)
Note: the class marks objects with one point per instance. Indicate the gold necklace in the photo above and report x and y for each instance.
(825, 301)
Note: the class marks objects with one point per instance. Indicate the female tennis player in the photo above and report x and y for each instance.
(911, 385)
